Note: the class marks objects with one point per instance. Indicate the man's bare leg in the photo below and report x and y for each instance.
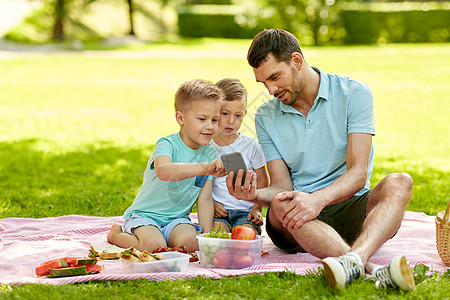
(385, 208)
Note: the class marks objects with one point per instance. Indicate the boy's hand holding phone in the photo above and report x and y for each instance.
(216, 168)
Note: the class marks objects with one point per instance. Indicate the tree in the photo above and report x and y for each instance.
(130, 14)
(309, 20)
(64, 12)
(60, 15)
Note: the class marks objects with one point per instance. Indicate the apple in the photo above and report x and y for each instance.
(242, 260)
(222, 259)
(243, 233)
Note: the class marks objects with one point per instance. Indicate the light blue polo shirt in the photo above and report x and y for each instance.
(164, 201)
(314, 146)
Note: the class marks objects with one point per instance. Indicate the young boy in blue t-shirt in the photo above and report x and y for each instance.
(179, 173)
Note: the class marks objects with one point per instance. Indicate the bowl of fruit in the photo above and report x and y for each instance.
(236, 250)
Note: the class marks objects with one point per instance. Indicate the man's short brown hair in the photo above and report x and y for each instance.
(197, 89)
(276, 41)
(233, 89)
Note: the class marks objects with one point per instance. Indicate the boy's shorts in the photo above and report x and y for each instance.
(236, 218)
(346, 218)
(137, 220)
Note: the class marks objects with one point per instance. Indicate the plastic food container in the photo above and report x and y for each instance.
(173, 262)
(228, 253)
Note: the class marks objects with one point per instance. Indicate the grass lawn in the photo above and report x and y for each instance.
(77, 129)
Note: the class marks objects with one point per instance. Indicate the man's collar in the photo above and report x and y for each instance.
(324, 87)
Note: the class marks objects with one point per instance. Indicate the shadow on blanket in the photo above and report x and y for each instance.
(26, 243)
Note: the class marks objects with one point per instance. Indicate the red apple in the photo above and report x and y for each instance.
(243, 233)
(242, 260)
(222, 259)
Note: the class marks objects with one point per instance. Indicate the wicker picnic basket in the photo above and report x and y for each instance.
(443, 235)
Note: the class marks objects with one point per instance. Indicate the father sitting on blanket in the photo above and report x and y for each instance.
(316, 134)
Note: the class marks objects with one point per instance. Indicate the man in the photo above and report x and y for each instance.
(316, 134)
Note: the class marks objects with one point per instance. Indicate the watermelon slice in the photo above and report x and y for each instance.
(44, 268)
(94, 268)
(86, 261)
(70, 271)
(71, 261)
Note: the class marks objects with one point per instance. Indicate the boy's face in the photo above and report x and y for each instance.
(199, 123)
(231, 116)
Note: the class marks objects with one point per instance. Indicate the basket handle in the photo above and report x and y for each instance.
(447, 213)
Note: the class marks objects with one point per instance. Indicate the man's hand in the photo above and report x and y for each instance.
(303, 207)
(247, 191)
(216, 168)
(219, 210)
(255, 216)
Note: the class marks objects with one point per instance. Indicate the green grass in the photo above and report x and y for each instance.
(77, 130)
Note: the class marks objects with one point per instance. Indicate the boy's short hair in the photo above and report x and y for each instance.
(233, 89)
(276, 41)
(197, 89)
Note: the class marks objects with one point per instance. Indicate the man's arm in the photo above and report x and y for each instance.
(280, 180)
(304, 207)
(359, 146)
(205, 207)
(169, 171)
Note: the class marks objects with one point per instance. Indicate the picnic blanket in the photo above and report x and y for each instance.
(25, 243)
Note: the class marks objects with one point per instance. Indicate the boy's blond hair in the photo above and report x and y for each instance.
(193, 90)
(233, 89)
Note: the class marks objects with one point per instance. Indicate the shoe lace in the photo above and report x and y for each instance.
(352, 269)
(382, 278)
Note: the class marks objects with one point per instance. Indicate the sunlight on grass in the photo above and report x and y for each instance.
(78, 128)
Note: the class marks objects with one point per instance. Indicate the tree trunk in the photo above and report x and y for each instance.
(60, 13)
(130, 14)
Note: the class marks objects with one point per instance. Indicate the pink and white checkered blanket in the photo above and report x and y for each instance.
(25, 243)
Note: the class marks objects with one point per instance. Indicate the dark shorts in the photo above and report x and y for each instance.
(236, 218)
(346, 218)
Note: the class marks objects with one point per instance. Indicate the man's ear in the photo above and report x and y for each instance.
(297, 60)
(179, 117)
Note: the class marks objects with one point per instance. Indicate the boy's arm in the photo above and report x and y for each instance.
(205, 207)
(167, 170)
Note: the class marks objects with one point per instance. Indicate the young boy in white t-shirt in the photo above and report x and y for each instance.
(229, 211)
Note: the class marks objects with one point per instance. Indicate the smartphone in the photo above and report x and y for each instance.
(234, 162)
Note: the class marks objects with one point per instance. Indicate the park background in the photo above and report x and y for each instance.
(84, 96)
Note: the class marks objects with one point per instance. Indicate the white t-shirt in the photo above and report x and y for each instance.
(254, 159)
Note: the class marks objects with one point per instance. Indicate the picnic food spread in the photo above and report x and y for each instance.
(74, 266)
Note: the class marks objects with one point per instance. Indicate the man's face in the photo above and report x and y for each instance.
(281, 79)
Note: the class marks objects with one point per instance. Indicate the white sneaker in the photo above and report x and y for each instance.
(396, 274)
(341, 270)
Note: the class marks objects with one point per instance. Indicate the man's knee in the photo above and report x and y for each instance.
(398, 184)
(277, 207)
(401, 182)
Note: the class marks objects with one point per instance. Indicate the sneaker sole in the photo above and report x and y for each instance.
(401, 273)
(334, 273)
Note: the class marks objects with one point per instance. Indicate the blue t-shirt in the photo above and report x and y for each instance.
(164, 201)
(314, 146)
